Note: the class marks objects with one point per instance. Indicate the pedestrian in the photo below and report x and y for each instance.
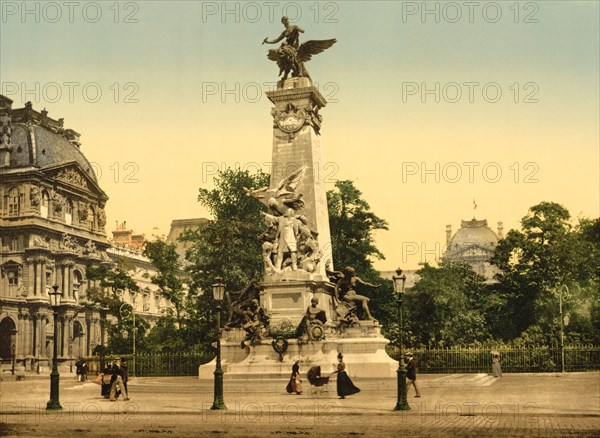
(106, 381)
(496, 369)
(344, 384)
(411, 373)
(81, 370)
(125, 373)
(117, 381)
(295, 383)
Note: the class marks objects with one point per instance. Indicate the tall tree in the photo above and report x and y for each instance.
(546, 257)
(113, 280)
(226, 246)
(445, 308)
(353, 226)
(169, 274)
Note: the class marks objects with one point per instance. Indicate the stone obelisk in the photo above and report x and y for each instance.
(296, 144)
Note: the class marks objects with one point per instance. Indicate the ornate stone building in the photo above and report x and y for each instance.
(474, 243)
(52, 225)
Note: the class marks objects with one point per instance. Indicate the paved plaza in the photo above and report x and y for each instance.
(540, 405)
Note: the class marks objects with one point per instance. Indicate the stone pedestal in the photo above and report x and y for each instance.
(363, 348)
(287, 298)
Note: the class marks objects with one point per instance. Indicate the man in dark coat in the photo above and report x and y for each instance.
(411, 373)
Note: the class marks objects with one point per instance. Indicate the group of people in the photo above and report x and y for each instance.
(344, 383)
(114, 380)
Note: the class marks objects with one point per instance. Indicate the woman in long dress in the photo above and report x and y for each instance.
(344, 384)
(295, 384)
(496, 369)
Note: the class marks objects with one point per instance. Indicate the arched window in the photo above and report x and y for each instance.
(45, 204)
(68, 212)
(14, 201)
(8, 332)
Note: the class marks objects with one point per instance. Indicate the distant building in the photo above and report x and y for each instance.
(474, 243)
(124, 238)
(178, 227)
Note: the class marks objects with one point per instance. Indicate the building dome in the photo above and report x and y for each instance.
(39, 141)
(471, 233)
(474, 243)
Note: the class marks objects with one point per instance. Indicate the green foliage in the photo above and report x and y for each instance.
(352, 226)
(549, 255)
(112, 279)
(168, 275)
(226, 246)
(167, 337)
(120, 336)
(445, 307)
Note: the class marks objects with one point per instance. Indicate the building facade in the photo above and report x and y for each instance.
(52, 226)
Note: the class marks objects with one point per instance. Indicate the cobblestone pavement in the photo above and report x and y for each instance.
(517, 405)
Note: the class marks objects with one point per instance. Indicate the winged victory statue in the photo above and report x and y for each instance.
(291, 55)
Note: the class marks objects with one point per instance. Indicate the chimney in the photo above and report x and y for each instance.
(448, 235)
(500, 230)
(5, 130)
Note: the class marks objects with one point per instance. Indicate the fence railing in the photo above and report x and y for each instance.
(513, 360)
(430, 361)
(153, 365)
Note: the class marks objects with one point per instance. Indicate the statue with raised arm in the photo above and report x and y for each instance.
(292, 55)
(347, 299)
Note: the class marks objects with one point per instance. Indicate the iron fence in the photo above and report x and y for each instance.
(512, 359)
(155, 365)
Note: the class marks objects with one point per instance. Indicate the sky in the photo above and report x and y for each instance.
(433, 107)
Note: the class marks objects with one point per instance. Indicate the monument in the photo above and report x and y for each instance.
(301, 309)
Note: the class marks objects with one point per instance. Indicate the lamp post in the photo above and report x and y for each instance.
(103, 310)
(124, 313)
(402, 404)
(53, 403)
(218, 293)
(562, 327)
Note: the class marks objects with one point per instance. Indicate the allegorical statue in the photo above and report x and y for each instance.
(240, 302)
(348, 300)
(256, 323)
(292, 55)
(283, 196)
(314, 317)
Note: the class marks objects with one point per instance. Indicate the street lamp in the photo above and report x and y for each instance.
(53, 403)
(218, 292)
(562, 326)
(124, 311)
(402, 404)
